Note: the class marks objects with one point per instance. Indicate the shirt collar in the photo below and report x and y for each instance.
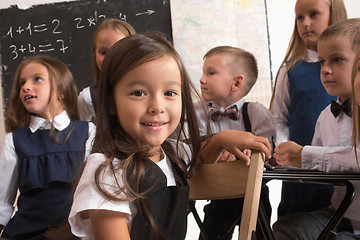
(61, 121)
(239, 104)
(311, 56)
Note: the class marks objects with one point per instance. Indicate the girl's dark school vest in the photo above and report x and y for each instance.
(46, 170)
(308, 98)
(167, 204)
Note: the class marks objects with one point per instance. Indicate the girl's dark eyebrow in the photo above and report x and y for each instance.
(141, 82)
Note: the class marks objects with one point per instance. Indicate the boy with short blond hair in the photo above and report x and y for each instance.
(331, 149)
(229, 73)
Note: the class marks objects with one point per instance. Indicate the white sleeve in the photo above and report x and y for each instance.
(9, 178)
(280, 106)
(87, 197)
(330, 159)
(262, 121)
(202, 117)
(86, 107)
(184, 150)
(90, 140)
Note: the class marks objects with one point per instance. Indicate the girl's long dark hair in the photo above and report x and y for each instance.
(114, 142)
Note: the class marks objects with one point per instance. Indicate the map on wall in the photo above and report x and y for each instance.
(199, 25)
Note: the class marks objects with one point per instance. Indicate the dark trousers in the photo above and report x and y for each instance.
(303, 197)
(221, 214)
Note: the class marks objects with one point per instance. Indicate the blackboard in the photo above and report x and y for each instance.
(65, 31)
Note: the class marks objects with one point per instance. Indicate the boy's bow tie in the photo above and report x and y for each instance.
(231, 112)
(336, 108)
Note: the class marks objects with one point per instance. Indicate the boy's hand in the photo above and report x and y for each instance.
(288, 153)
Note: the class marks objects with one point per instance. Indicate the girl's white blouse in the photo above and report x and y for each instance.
(88, 196)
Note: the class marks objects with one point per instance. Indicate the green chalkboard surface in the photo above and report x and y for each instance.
(65, 31)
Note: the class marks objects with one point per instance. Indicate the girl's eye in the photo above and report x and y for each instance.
(299, 18)
(322, 62)
(138, 93)
(38, 79)
(170, 93)
(22, 83)
(211, 73)
(338, 60)
(314, 14)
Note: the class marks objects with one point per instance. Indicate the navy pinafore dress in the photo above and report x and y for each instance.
(167, 204)
(46, 170)
(308, 98)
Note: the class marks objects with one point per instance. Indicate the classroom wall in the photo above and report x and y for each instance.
(280, 22)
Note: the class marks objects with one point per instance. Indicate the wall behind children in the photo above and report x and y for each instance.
(199, 25)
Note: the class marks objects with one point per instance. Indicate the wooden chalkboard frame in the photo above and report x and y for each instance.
(65, 31)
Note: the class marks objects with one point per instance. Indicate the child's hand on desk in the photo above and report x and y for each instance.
(288, 153)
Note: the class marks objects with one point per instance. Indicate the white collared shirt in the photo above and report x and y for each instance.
(332, 151)
(87, 195)
(9, 160)
(261, 119)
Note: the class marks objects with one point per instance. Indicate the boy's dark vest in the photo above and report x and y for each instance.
(308, 98)
(46, 170)
(168, 206)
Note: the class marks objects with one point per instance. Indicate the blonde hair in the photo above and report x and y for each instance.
(356, 107)
(61, 80)
(242, 62)
(297, 47)
(116, 25)
(349, 29)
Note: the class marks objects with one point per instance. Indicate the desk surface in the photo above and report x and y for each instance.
(308, 175)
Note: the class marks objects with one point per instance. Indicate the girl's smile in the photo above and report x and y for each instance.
(155, 126)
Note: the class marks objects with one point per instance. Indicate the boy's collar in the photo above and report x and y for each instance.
(239, 104)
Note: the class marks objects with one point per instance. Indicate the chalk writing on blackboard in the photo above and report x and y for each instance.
(65, 31)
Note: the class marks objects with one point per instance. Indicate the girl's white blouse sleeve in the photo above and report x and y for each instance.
(88, 197)
(86, 107)
(9, 177)
(280, 107)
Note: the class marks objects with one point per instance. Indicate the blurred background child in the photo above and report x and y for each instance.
(45, 146)
(332, 146)
(109, 32)
(229, 73)
(299, 96)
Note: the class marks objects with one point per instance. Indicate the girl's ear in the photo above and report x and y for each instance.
(238, 83)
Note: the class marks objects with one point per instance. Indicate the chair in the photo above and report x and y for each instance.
(318, 177)
(230, 180)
